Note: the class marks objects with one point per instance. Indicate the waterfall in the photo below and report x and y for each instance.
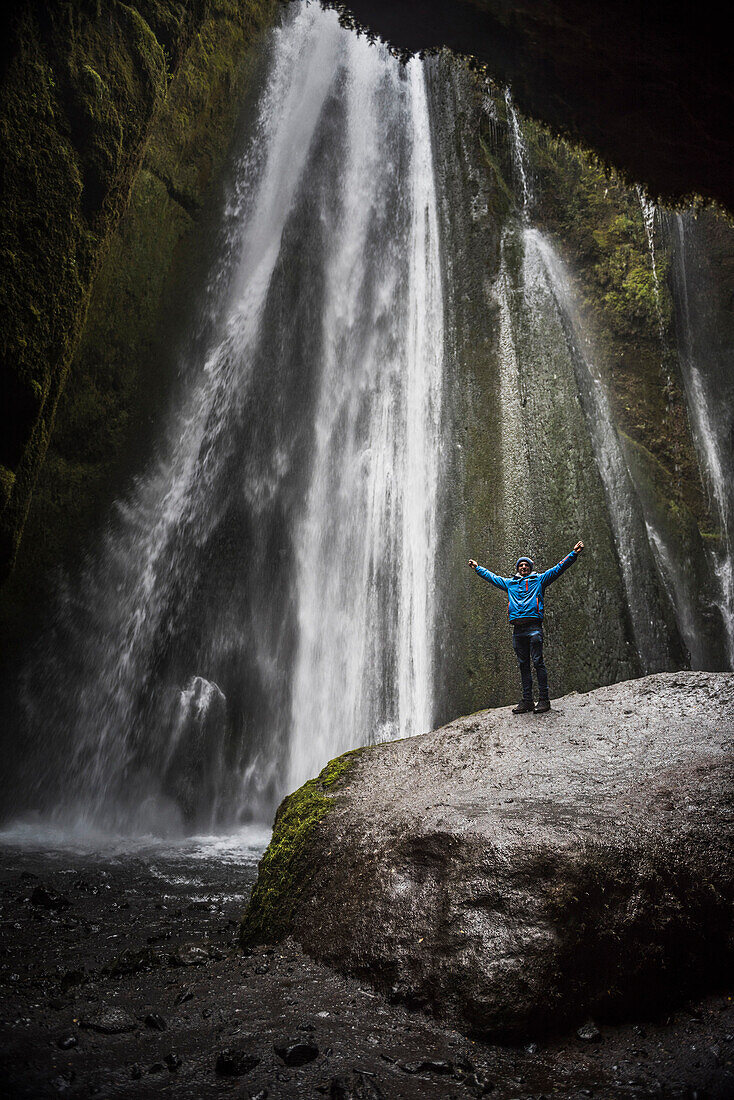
(366, 544)
(544, 277)
(520, 159)
(264, 597)
(708, 383)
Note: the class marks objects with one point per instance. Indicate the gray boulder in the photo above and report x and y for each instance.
(512, 874)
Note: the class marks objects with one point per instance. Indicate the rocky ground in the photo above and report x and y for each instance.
(137, 988)
(121, 975)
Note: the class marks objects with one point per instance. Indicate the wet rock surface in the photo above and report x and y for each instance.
(368, 1047)
(517, 874)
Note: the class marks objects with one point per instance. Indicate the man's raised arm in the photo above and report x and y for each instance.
(488, 575)
(553, 574)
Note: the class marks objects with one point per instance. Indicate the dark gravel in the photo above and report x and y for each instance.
(152, 937)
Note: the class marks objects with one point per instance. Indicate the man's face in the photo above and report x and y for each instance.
(523, 569)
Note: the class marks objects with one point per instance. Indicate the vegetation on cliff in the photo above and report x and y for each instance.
(126, 127)
(84, 92)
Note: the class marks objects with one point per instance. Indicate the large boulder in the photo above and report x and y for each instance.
(514, 873)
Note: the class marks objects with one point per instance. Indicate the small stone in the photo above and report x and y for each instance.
(261, 1095)
(133, 961)
(63, 1081)
(296, 1052)
(531, 1048)
(69, 978)
(110, 1021)
(157, 1067)
(155, 1021)
(189, 956)
(173, 1062)
(235, 1063)
(410, 1067)
(49, 899)
(136, 1072)
(263, 968)
(589, 1032)
(183, 996)
(354, 1086)
(66, 1042)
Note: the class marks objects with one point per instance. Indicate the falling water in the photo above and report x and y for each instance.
(264, 598)
(544, 277)
(706, 381)
(625, 511)
(520, 158)
(367, 540)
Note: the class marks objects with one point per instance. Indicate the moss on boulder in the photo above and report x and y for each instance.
(286, 870)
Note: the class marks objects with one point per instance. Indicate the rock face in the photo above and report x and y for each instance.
(515, 873)
(577, 68)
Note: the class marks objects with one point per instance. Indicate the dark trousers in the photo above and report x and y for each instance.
(528, 646)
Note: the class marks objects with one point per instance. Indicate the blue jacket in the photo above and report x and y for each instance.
(525, 594)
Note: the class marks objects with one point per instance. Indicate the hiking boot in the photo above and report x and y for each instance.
(542, 706)
(523, 707)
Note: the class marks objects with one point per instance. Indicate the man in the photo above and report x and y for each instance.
(525, 611)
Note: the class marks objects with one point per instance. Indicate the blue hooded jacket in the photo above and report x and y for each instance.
(525, 594)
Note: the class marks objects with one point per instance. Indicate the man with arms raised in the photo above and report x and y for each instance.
(525, 592)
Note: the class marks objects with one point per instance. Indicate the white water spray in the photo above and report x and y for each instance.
(708, 435)
(364, 668)
(264, 599)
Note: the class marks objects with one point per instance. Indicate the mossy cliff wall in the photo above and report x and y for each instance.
(116, 120)
(522, 474)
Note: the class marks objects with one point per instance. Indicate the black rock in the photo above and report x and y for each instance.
(70, 978)
(184, 995)
(261, 1095)
(354, 1086)
(109, 1021)
(133, 961)
(262, 969)
(296, 1052)
(193, 955)
(66, 1042)
(623, 845)
(235, 1063)
(136, 1072)
(63, 1081)
(49, 899)
(157, 1067)
(589, 1032)
(306, 1027)
(173, 1061)
(155, 1021)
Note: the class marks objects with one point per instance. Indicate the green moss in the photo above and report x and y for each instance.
(287, 868)
(598, 223)
(7, 477)
(505, 199)
(85, 293)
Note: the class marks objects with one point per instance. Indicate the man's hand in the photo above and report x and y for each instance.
(473, 563)
(579, 546)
